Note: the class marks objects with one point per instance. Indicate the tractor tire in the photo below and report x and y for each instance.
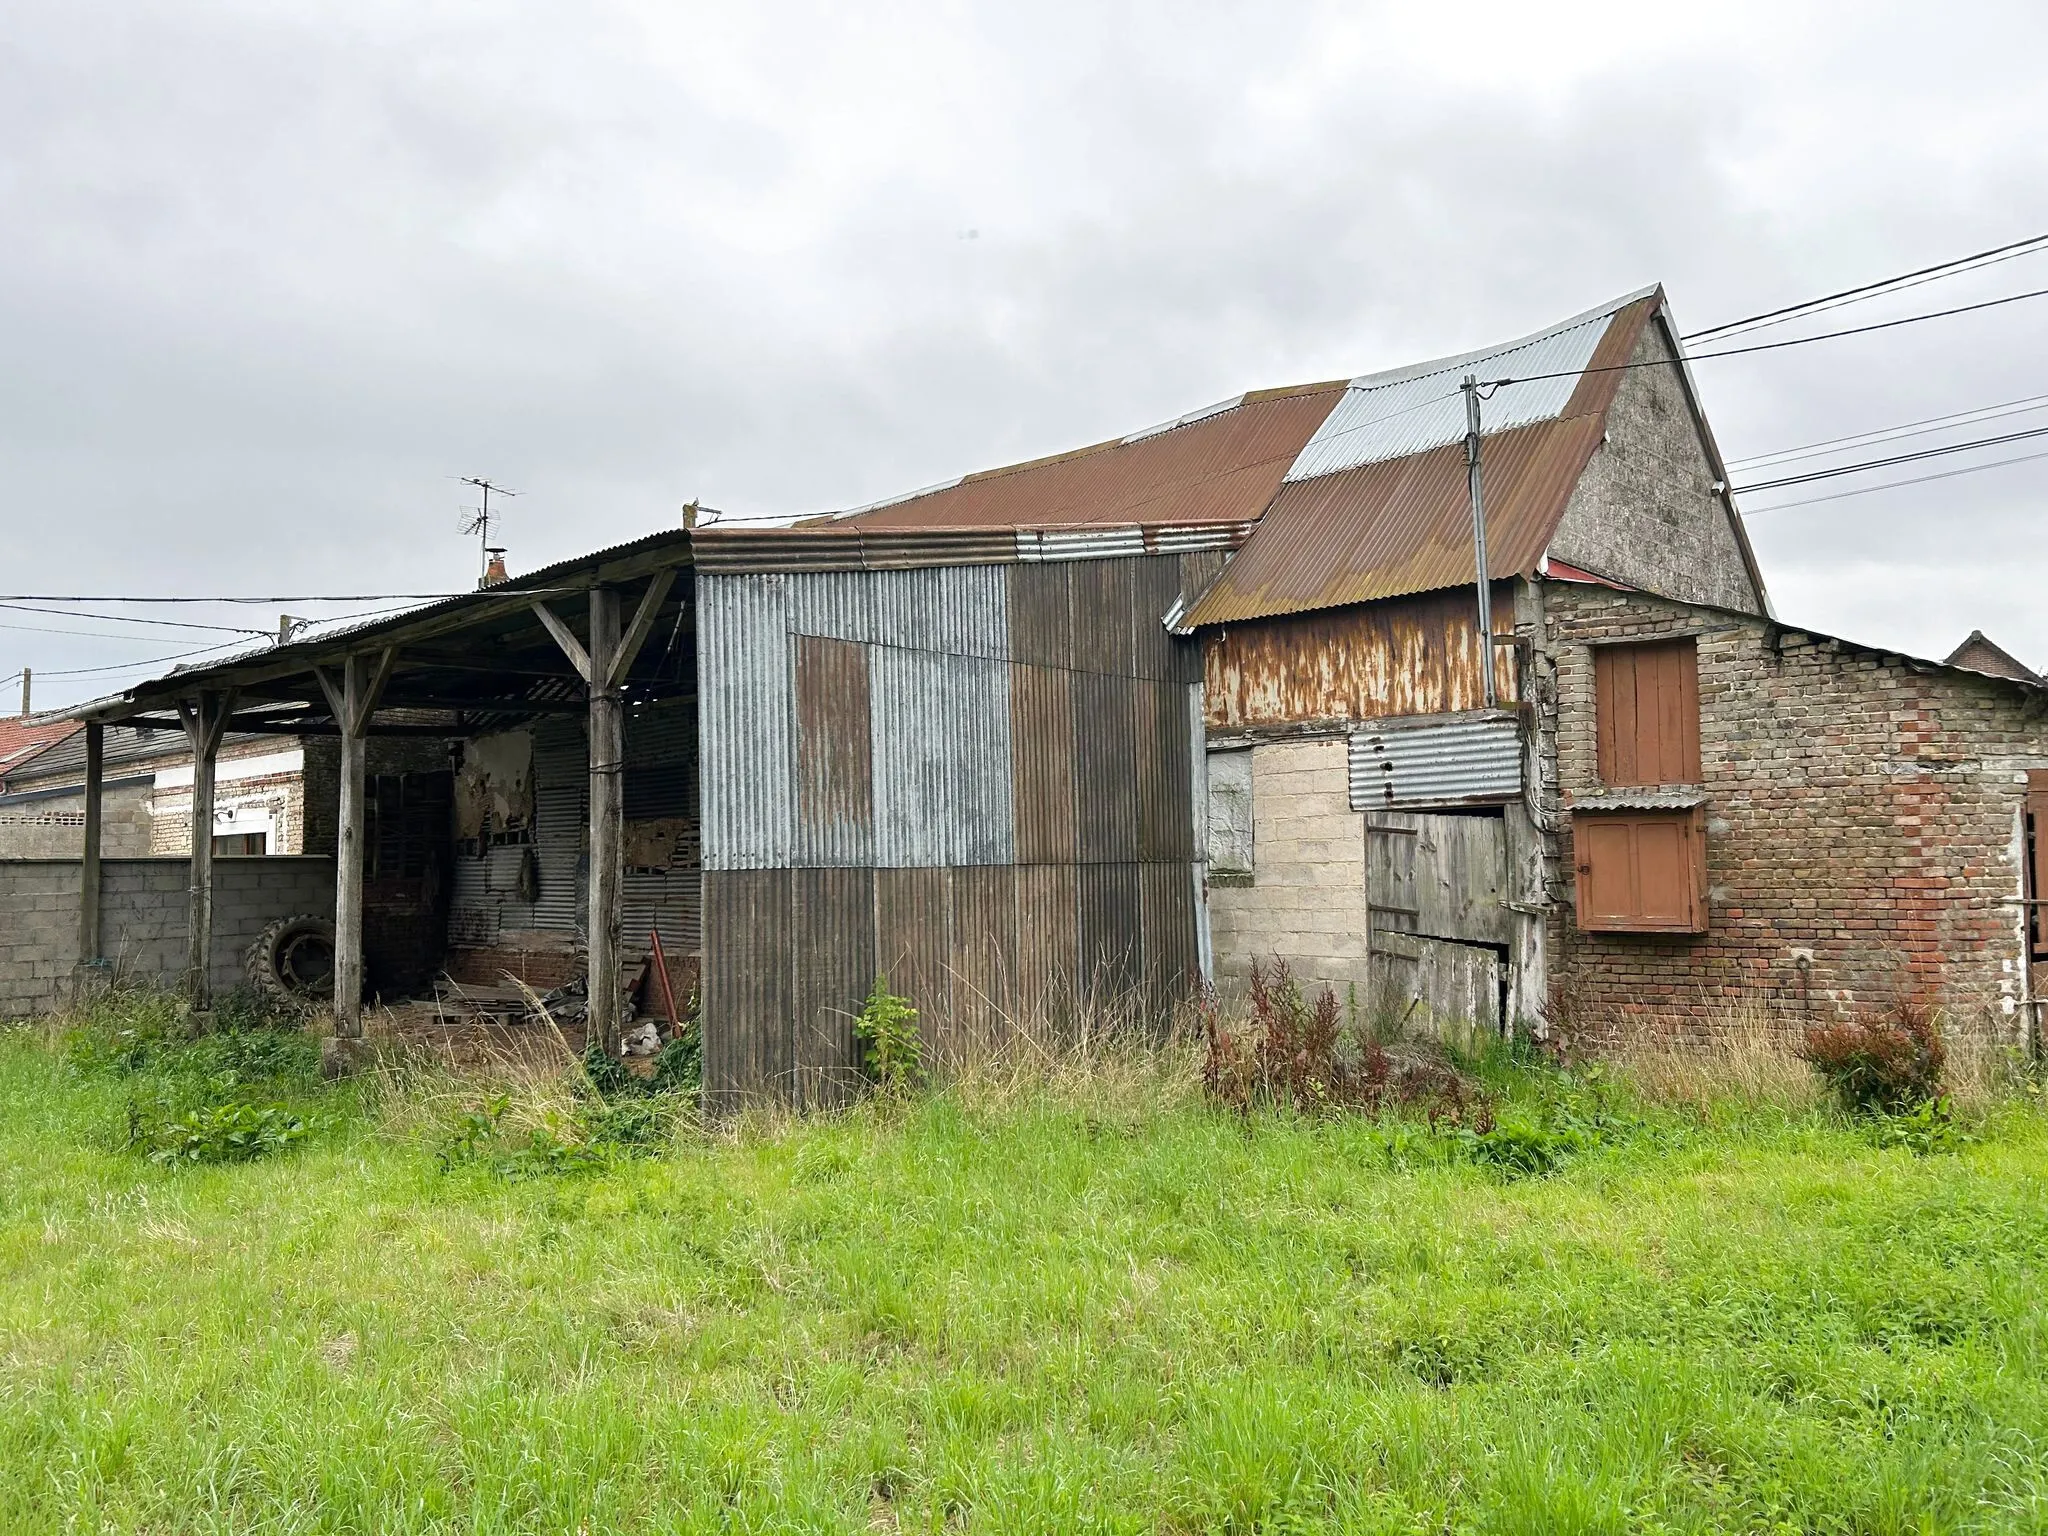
(292, 961)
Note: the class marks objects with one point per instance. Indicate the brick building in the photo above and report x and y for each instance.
(1672, 805)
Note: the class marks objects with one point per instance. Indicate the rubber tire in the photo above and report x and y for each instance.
(272, 954)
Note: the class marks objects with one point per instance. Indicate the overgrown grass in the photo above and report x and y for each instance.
(1064, 1297)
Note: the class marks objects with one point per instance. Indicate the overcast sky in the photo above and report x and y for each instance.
(272, 273)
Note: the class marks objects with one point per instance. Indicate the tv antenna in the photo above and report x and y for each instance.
(477, 520)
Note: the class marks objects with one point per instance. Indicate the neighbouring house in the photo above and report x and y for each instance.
(1107, 724)
(1979, 654)
(259, 806)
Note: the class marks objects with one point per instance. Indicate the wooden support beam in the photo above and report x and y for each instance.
(607, 818)
(565, 637)
(353, 699)
(636, 632)
(204, 717)
(89, 860)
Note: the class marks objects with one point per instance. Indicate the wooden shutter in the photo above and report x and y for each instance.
(1640, 871)
(1647, 711)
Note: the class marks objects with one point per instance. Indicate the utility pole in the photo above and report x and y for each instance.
(1485, 587)
(26, 678)
(480, 524)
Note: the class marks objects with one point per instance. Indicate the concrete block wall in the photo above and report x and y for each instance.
(55, 828)
(1307, 904)
(1859, 806)
(143, 907)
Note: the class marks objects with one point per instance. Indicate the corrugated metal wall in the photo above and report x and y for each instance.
(660, 786)
(975, 780)
(1437, 760)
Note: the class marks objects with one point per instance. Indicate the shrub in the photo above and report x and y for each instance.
(886, 1027)
(1885, 1066)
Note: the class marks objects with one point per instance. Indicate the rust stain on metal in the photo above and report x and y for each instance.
(1406, 656)
(835, 773)
(1403, 525)
(1223, 468)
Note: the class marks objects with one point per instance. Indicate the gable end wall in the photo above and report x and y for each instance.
(1645, 511)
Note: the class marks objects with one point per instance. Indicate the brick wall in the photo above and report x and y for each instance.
(1308, 849)
(143, 910)
(1860, 807)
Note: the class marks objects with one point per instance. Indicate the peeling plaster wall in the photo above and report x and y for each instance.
(1645, 511)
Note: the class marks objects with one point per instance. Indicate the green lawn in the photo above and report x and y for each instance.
(1056, 1312)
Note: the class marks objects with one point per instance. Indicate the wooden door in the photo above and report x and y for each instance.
(1436, 894)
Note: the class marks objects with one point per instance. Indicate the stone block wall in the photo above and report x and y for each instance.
(1860, 807)
(55, 828)
(1308, 850)
(143, 905)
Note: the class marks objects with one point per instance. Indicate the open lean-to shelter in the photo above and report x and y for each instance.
(1108, 724)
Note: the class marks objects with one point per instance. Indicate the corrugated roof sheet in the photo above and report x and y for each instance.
(1401, 526)
(1220, 464)
(1409, 410)
(1377, 506)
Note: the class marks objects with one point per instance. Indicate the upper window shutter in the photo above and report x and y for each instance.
(1646, 702)
(2037, 862)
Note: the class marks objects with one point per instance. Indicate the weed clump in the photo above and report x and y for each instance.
(1882, 1067)
(1305, 1055)
(220, 1097)
(886, 1027)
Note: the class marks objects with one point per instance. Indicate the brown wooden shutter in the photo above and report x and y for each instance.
(1646, 701)
(1640, 871)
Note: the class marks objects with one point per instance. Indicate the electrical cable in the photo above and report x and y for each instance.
(1903, 430)
(131, 666)
(1773, 346)
(1865, 490)
(119, 618)
(1899, 458)
(1878, 289)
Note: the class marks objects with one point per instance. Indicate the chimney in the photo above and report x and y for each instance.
(494, 573)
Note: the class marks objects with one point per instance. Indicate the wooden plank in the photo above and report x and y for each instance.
(1436, 985)
(1442, 876)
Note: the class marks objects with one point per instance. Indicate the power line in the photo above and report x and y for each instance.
(1904, 280)
(1772, 346)
(290, 597)
(1898, 458)
(134, 666)
(1865, 490)
(122, 618)
(1919, 428)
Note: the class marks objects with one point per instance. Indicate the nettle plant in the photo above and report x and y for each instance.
(886, 1027)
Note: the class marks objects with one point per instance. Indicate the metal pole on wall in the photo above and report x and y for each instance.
(1484, 587)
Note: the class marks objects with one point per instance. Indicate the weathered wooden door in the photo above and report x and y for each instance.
(1436, 891)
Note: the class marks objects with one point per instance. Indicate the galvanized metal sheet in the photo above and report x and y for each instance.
(942, 759)
(832, 960)
(1460, 760)
(744, 694)
(960, 610)
(1409, 410)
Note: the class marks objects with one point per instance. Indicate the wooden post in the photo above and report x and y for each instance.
(603, 666)
(352, 699)
(89, 858)
(204, 718)
(607, 819)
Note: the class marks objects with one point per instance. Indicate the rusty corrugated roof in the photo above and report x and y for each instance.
(1222, 466)
(1403, 524)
